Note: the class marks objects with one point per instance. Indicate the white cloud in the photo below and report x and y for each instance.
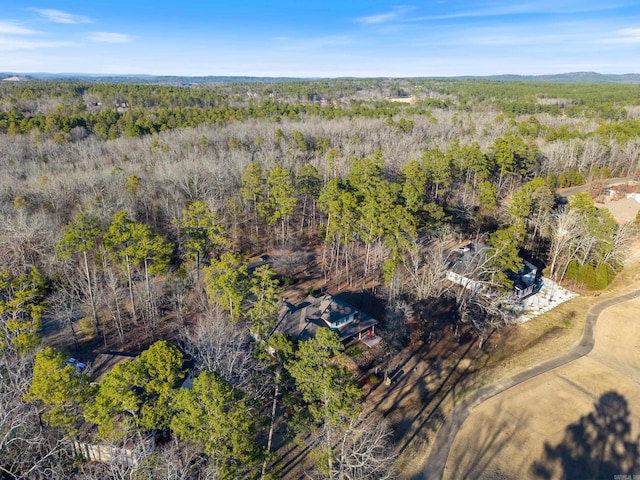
(381, 18)
(395, 14)
(8, 44)
(58, 16)
(110, 37)
(11, 28)
(506, 9)
(627, 35)
(619, 38)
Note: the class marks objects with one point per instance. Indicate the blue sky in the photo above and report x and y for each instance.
(320, 39)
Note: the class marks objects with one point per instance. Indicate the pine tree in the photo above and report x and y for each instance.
(132, 245)
(80, 236)
(308, 185)
(138, 393)
(281, 199)
(414, 188)
(266, 293)
(203, 233)
(328, 389)
(227, 283)
(60, 388)
(21, 308)
(253, 189)
(215, 416)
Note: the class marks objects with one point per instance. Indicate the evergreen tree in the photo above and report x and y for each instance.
(21, 308)
(266, 293)
(281, 199)
(61, 388)
(487, 195)
(227, 283)
(138, 393)
(253, 188)
(308, 185)
(503, 257)
(439, 169)
(415, 186)
(132, 245)
(215, 416)
(203, 233)
(80, 236)
(328, 389)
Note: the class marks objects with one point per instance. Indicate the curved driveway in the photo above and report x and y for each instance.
(508, 422)
(567, 192)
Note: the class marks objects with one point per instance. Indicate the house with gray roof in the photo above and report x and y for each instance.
(302, 321)
(465, 268)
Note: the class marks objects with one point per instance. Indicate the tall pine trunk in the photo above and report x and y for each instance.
(92, 298)
(274, 406)
(131, 296)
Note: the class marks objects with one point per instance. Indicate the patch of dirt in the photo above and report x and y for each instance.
(623, 210)
(424, 377)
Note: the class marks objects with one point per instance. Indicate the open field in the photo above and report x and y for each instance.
(519, 433)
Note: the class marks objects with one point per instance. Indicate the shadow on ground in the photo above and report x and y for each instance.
(477, 460)
(599, 445)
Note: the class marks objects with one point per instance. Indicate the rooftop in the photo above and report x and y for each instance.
(301, 321)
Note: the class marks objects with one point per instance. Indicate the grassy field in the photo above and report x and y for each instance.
(566, 422)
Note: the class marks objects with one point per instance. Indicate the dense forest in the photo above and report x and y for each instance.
(134, 216)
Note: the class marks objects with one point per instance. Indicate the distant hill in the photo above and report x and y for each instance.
(15, 78)
(142, 79)
(574, 77)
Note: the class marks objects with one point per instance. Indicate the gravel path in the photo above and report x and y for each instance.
(549, 297)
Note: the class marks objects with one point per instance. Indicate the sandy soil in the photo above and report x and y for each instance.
(512, 434)
(624, 210)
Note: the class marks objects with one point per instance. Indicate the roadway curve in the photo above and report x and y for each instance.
(567, 192)
(435, 468)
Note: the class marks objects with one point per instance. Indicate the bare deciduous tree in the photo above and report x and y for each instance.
(27, 449)
(426, 267)
(221, 347)
(362, 449)
(25, 241)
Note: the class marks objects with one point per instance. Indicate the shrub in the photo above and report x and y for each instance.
(86, 325)
(592, 278)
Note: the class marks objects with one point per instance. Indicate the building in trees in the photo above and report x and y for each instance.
(303, 320)
(472, 267)
(525, 281)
